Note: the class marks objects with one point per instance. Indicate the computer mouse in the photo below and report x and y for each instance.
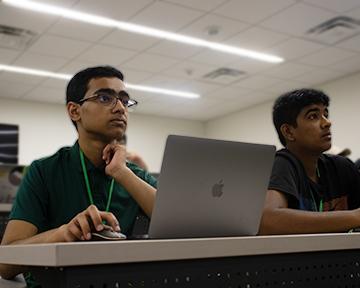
(107, 234)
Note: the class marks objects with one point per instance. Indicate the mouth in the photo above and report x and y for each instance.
(327, 136)
(118, 122)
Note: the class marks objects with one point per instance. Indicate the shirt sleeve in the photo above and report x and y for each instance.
(31, 200)
(284, 177)
(144, 175)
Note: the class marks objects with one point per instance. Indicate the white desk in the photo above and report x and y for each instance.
(329, 260)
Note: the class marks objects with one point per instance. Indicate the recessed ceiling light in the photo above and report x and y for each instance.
(149, 89)
(126, 26)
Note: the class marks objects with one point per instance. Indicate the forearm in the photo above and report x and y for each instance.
(292, 221)
(142, 192)
(10, 271)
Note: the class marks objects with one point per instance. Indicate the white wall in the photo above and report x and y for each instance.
(249, 125)
(44, 128)
(255, 124)
(147, 135)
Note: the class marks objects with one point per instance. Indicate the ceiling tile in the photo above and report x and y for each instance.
(257, 82)
(300, 19)
(288, 70)
(164, 82)
(190, 70)
(294, 48)
(75, 66)
(134, 76)
(20, 78)
(335, 5)
(228, 93)
(175, 50)
(176, 16)
(8, 55)
(252, 11)
(116, 9)
(206, 5)
(46, 94)
(79, 30)
(319, 76)
(55, 83)
(250, 66)
(13, 89)
(201, 87)
(326, 56)
(106, 55)
(256, 38)
(350, 65)
(150, 63)
(213, 28)
(286, 86)
(352, 43)
(214, 58)
(60, 3)
(19, 18)
(43, 62)
(128, 40)
(355, 13)
(58, 46)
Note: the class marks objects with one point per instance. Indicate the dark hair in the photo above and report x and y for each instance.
(288, 106)
(78, 85)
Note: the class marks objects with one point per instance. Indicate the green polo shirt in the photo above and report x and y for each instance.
(53, 192)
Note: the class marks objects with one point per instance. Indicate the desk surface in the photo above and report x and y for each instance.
(127, 251)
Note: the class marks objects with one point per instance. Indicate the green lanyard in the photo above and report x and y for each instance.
(88, 184)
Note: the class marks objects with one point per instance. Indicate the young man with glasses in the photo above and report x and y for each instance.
(309, 192)
(70, 194)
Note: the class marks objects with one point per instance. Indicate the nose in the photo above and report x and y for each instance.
(119, 106)
(326, 122)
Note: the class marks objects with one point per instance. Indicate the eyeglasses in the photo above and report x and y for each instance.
(109, 98)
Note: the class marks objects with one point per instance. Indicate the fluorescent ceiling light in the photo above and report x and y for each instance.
(149, 89)
(126, 26)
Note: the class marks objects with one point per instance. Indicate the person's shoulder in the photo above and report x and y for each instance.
(48, 161)
(338, 160)
(285, 157)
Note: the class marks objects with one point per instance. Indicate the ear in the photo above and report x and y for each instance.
(73, 111)
(287, 132)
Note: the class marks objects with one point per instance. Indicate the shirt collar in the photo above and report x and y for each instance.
(75, 158)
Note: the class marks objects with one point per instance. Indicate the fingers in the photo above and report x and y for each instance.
(111, 220)
(94, 216)
(81, 226)
(107, 153)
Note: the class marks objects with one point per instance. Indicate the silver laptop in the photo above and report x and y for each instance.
(210, 188)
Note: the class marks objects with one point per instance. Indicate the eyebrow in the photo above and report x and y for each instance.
(315, 110)
(109, 90)
(312, 110)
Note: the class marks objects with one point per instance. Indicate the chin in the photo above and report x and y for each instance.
(325, 148)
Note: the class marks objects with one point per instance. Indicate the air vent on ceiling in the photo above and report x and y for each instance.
(224, 75)
(334, 30)
(15, 38)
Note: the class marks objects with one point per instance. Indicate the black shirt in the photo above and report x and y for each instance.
(338, 186)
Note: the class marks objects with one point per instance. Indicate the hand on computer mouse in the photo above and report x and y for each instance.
(107, 234)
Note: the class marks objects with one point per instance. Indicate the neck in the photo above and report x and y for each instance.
(93, 150)
(309, 161)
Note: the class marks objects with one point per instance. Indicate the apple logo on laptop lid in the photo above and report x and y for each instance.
(217, 189)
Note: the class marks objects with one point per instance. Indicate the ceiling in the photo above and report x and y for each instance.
(279, 27)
